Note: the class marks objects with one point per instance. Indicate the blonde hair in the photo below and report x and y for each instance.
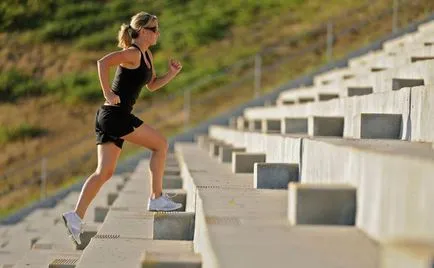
(129, 32)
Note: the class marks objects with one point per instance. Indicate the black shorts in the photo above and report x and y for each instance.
(113, 122)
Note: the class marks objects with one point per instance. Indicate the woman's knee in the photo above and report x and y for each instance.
(165, 145)
(162, 145)
(104, 174)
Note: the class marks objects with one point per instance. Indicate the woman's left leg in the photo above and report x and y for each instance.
(150, 138)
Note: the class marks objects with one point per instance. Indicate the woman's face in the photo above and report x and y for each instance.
(152, 33)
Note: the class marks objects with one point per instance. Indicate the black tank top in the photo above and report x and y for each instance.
(128, 83)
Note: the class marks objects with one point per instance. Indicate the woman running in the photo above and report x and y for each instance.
(114, 121)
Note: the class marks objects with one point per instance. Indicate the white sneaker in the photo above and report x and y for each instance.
(74, 225)
(163, 203)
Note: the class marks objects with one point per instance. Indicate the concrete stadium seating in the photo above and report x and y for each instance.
(334, 174)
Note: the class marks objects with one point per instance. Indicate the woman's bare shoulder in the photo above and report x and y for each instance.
(128, 56)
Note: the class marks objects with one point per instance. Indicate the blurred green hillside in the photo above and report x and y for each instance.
(92, 26)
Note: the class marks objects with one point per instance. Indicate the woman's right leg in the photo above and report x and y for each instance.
(108, 154)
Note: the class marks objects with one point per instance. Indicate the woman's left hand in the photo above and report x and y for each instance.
(174, 66)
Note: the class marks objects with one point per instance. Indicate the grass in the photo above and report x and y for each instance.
(20, 132)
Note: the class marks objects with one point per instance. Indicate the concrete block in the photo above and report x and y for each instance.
(359, 91)
(326, 126)
(327, 96)
(271, 126)
(111, 197)
(294, 125)
(377, 69)
(324, 204)
(171, 260)
(274, 175)
(242, 123)
(287, 102)
(203, 141)
(119, 186)
(232, 122)
(348, 76)
(172, 171)
(244, 162)
(225, 153)
(422, 108)
(403, 254)
(89, 231)
(397, 83)
(174, 225)
(306, 99)
(172, 182)
(100, 213)
(416, 59)
(213, 148)
(380, 126)
(255, 125)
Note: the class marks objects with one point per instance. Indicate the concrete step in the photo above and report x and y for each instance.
(408, 254)
(179, 259)
(246, 227)
(56, 239)
(10, 257)
(141, 223)
(43, 258)
(294, 118)
(115, 251)
(381, 170)
(384, 174)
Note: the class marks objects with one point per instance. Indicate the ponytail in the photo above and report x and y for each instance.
(126, 35)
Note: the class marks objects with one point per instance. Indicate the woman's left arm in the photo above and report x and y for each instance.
(158, 82)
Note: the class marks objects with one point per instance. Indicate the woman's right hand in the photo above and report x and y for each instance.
(111, 97)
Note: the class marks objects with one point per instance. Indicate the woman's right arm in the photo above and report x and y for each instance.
(127, 57)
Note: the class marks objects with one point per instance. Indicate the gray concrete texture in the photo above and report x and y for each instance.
(271, 126)
(380, 126)
(393, 180)
(242, 123)
(174, 226)
(294, 125)
(381, 170)
(278, 148)
(321, 204)
(274, 175)
(115, 251)
(172, 182)
(171, 260)
(244, 162)
(255, 125)
(225, 153)
(245, 227)
(43, 258)
(405, 254)
(392, 102)
(326, 126)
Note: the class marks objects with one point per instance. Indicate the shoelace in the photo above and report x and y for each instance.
(169, 196)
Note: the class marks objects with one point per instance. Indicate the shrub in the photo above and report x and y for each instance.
(20, 132)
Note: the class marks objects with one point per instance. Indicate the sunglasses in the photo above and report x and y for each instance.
(153, 29)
